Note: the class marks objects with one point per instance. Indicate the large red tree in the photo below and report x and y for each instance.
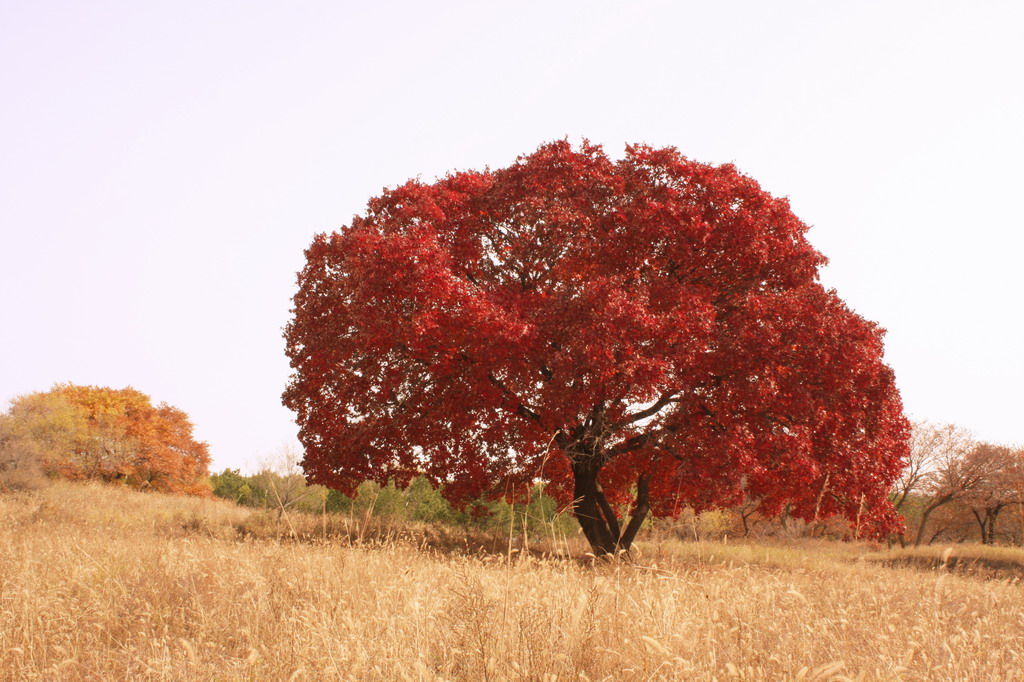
(649, 331)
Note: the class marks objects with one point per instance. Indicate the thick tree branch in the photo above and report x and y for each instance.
(631, 444)
(665, 399)
(715, 422)
(609, 514)
(589, 434)
(522, 408)
(524, 411)
(649, 439)
(640, 510)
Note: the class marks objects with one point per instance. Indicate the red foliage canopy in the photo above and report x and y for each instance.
(650, 328)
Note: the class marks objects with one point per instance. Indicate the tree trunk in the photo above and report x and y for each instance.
(640, 509)
(924, 518)
(587, 509)
(596, 517)
(983, 524)
(992, 514)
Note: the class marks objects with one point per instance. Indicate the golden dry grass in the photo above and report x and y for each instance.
(101, 583)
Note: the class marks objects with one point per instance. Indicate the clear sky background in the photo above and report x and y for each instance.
(163, 166)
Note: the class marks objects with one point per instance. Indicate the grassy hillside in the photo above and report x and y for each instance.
(101, 582)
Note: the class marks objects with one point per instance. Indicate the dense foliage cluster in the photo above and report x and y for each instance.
(647, 331)
(91, 432)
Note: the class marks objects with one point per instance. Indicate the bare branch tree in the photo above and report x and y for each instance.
(281, 479)
(1002, 486)
(927, 443)
(952, 469)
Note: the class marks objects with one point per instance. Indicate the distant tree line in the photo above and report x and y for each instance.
(281, 487)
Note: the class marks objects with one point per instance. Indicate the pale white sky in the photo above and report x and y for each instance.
(163, 166)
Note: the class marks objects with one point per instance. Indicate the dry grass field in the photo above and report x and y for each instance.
(104, 583)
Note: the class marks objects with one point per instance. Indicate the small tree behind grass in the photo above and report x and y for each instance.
(280, 484)
(1002, 488)
(337, 502)
(231, 485)
(425, 503)
(538, 518)
(373, 499)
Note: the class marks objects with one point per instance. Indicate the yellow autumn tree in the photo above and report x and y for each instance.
(93, 432)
